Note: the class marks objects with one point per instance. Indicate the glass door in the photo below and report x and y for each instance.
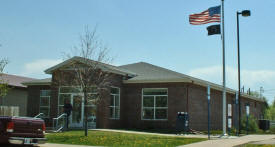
(91, 116)
(91, 110)
(77, 112)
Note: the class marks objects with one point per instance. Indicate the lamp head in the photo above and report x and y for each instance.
(246, 13)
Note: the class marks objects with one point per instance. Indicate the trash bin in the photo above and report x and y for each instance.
(182, 124)
(186, 122)
(264, 124)
(179, 123)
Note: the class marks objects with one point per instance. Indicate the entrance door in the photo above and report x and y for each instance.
(77, 112)
(91, 116)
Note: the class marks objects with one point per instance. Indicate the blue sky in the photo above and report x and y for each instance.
(35, 33)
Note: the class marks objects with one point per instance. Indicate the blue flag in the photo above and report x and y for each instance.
(214, 10)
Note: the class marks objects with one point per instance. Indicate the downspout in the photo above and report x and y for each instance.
(187, 98)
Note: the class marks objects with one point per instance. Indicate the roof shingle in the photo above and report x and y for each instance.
(14, 80)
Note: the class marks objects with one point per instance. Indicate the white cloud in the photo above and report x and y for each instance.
(36, 68)
(253, 79)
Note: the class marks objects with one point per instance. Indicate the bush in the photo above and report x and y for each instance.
(252, 124)
(232, 131)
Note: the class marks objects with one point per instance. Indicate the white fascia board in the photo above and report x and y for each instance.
(104, 68)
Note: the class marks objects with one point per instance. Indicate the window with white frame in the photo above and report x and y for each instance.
(154, 103)
(229, 110)
(66, 92)
(45, 96)
(115, 103)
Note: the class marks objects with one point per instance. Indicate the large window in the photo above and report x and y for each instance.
(154, 103)
(66, 93)
(45, 96)
(115, 103)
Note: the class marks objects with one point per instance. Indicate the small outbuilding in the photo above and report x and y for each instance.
(17, 94)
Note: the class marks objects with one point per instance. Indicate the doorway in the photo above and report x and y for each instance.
(76, 119)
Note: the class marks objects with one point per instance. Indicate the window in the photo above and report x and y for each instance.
(45, 96)
(229, 113)
(247, 109)
(154, 103)
(67, 92)
(115, 103)
(229, 110)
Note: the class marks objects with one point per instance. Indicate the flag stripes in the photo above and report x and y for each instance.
(203, 18)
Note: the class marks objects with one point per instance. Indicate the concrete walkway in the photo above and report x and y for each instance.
(270, 142)
(230, 142)
(147, 133)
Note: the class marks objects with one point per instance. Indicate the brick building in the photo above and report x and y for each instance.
(142, 96)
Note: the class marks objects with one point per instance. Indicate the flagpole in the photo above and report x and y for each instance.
(224, 87)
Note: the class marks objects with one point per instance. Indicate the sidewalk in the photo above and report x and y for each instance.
(270, 141)
(230, 142)
(161, 134)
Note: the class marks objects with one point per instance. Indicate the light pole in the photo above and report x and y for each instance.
(244, 13)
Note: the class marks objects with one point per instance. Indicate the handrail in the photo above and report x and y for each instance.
(63, 114)
(55, 125)
(38, 115)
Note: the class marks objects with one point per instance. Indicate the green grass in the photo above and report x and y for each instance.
(102, 138)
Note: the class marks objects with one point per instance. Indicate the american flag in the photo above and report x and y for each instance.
(213, 14)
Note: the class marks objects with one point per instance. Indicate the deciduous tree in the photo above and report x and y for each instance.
(88, 70)
(3, 83)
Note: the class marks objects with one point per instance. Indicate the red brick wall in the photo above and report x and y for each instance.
(132, 99)
(33, 105)
(179, 95)
(103, 111)
(198, 110)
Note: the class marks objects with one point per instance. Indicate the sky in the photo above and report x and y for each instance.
(34, 35)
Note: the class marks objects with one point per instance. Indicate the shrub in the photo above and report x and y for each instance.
(252, 124)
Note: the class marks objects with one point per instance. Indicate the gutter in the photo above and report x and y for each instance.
(192, 81)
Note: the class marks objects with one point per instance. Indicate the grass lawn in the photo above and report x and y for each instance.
(102, 138)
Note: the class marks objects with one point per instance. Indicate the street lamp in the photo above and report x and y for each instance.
(244, 13)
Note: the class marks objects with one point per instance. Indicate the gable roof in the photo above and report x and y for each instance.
(148, 73)
(103, 66)
(14, 80)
